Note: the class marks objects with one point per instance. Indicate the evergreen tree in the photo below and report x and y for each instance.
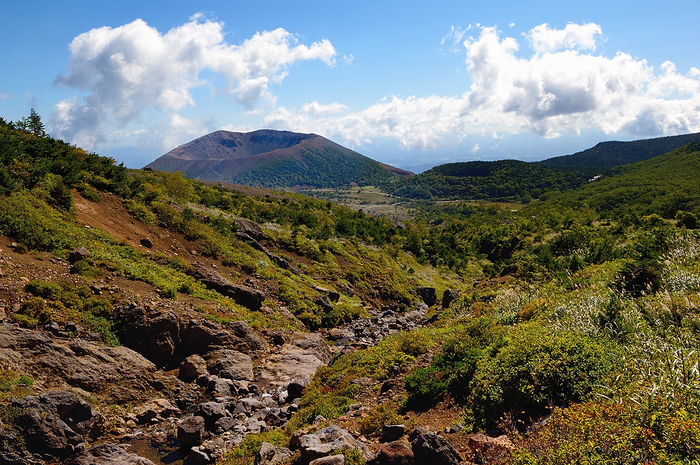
(33, 124)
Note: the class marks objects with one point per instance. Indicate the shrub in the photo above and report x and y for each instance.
(140, 212)
(534, 370)
(687, 219)
(33, 312)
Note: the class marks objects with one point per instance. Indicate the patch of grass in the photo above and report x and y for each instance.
(383, 414)
(245, 452)
(12, 384)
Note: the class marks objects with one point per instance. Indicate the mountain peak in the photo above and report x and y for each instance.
(272, 158)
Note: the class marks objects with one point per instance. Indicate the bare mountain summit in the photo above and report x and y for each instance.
(271, 158)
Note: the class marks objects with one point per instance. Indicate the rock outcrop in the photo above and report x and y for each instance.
(243, 295)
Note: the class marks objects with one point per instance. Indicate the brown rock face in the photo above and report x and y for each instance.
(394, 453)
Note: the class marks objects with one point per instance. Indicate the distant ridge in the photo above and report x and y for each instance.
(270, 158)
(513, 180)
(615, 153)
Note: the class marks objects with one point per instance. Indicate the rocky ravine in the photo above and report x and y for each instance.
(181, 389)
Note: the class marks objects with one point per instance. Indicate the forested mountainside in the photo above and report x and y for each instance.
(279, 159)
(147, 317)
(513, 180)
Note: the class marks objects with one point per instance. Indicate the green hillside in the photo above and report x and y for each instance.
(496, 180)
(513, 180)
(614, 153)
(326, 167)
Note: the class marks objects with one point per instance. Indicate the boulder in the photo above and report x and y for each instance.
(118, 372)
(289, 363)
(211, 412)
(78, 254)
(323, 302)
(147, 242)
(74, 411)
(448, 297)
(197, 456)
(46, 434)
(392, 432)
(56, 423)
(204, 336)
(230, 364)
(155, 336)
(190, 431)
(429, 447)
(394, 453)
(250, 228)
(244, 295)
(106, 454)
(192, 368)
(427, 295)
(272, 455)
(296, 388)
(329, 439)
(221, 386)
(157, 409)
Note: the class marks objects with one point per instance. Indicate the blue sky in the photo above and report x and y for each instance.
(409, 83)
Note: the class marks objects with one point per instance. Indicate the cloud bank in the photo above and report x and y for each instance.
(135, 84)
(130, 72)
(561, 86)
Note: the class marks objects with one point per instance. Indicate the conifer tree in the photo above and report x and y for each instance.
(33, 124)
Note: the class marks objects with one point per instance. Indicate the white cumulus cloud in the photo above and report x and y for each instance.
(127, 72)
(561, 86)
(573, 36)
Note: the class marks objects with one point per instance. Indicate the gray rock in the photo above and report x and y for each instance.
(55, 423)
(428, 295)
(158, 409)
(48, 435)
(106, 454)
(331, 438)
(197, 457)
(248, 405)
(256, 426)
(211, 412)
(448, 297)
(250, 228)
(429, 447)
(323, 302)
(155, 336)
(192, 368)
(78, 254)
(220, 386)
(244, 295)
(392, 432)
(190, 431)
(230, 364)
(272, 455)
(224, 424)
(296, 387)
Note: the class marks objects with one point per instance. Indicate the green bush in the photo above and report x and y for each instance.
(33, 312)
(687, 219)
(140, 212)
(536, 369)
